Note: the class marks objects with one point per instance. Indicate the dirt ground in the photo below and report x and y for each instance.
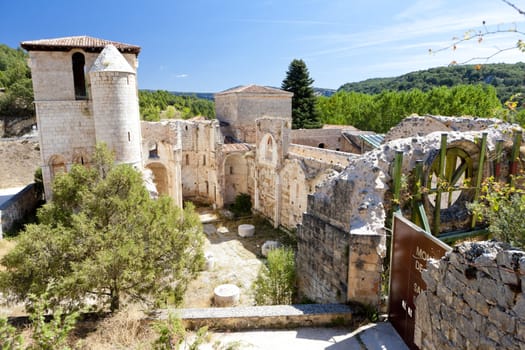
(236, 260)
(18, 161)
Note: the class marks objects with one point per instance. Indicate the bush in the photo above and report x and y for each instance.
(502, 206)
(275, 283)
(242, 205)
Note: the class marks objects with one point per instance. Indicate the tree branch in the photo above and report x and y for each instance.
(520, 11)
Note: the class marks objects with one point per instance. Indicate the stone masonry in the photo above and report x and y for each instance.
(474, 299)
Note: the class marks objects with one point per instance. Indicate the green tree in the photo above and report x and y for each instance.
(15, 78)
(275, 283)
(103, 236)
(304, 110)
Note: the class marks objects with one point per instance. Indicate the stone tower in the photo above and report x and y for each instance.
(238, 109)
(85, 92)
(115, 105)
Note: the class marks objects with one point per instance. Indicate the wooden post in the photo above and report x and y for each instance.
(479, 175)
(398, 164)
(436, 224)
(515, 156)
(497, 163)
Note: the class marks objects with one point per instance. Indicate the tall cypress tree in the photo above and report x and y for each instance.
(304, 112)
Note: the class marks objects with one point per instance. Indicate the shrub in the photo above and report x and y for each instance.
(502, 205)
(242, 205)
(10, 339)
(275, 283)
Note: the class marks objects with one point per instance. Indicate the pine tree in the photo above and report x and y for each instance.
(102, 236)
(304, 109)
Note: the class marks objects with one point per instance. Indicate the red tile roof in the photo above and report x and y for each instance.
(86, 43)
(254, 89)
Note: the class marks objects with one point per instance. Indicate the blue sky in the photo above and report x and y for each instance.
(212, 45)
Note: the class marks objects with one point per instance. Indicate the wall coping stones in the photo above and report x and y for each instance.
(274, 316)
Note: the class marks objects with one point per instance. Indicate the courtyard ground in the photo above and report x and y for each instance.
(236, 260)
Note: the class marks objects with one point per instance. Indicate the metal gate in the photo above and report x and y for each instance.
(411, 248)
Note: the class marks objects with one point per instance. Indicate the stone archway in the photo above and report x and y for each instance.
(160, 178)
(57, 165)
(236, 177)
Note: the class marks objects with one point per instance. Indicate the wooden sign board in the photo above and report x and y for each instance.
(411, 248)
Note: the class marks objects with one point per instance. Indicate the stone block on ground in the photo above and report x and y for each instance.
(246, 230)
(269, 245)
(226, 295)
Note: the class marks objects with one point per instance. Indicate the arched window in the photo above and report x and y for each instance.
(153, 151)
(79, 77)
(57, 165)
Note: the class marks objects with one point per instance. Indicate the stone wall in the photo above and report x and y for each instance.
(474, 299)
(17, 208)
(356, 203)
(66, 131)
(326, 156)
(322, 260)
(240, 107)
(323, 138)
(52, 74)
(199, 160)
(417, 126)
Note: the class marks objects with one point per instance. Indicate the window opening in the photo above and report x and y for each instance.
(154, 151)
(79, 78)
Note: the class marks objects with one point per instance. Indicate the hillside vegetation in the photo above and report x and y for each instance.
(16, 90)
(161, 104)
(382, 111)
(507, 79)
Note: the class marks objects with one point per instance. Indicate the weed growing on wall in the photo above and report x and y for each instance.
(502, 206)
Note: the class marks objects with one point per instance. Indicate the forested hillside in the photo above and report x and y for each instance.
(508, 79)
(380, 112)
(16, 90)
(160, 104)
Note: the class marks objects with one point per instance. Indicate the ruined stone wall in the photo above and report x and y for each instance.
(416, 126)
(17, 208)
(356, 203)
(241, 110)
(323, 138)
(162, 154)
(326, 156)
(322, 259)
(474, 299)
(199, 160)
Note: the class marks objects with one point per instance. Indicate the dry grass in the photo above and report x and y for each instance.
(126, 329)
(6, 245)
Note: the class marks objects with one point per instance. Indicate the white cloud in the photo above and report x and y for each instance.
(181, 76)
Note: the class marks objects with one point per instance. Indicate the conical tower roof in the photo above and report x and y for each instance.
(111, 60)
